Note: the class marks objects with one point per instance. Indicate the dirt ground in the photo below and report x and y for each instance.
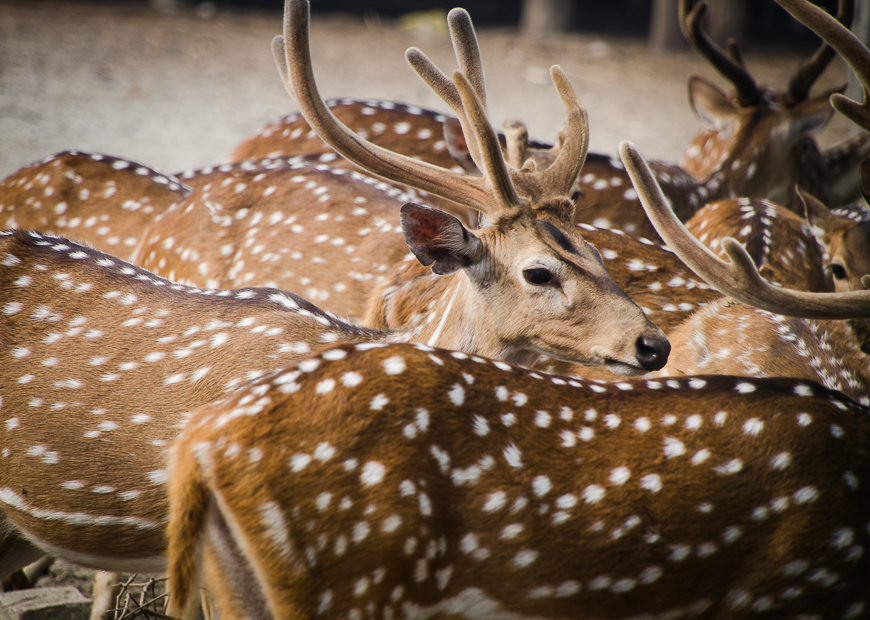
(178, 92)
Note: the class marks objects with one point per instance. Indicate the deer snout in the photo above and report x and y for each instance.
(652, 351)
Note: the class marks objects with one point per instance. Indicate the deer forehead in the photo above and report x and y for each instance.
(526, 240)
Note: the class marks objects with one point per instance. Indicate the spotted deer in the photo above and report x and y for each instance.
(100, 360)
(781, 244)
(404, 294)
(101, 200)
(75, 340)
(738, 339)
(468, 488)
(527, 266)
(763, 136)
(416, 483)
(846, 239)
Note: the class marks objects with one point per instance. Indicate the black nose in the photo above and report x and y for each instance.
(652, 352)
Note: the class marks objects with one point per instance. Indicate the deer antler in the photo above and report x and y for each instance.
(558, 177)
(738, 278)
(809, 71)
(730, 66)
(293, 57)
(848, 46)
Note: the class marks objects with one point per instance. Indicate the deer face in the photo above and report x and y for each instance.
(848, 255)
(846, 244)
(534, 286)
(764, 148)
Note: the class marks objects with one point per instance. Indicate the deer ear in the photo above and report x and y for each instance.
(712, 105)
(819, 217)
(457, 146)
(437, 238)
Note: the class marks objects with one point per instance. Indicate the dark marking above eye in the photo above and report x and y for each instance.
(560, 237)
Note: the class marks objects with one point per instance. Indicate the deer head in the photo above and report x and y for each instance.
(846, 243)
(761, 135)
(529, 258)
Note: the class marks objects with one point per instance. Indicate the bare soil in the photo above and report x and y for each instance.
(178, 92)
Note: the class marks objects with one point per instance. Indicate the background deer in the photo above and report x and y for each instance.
(101, 200)
(740, 340)
(100, 360)
(405, 482)
(764, 136)
(781, 244)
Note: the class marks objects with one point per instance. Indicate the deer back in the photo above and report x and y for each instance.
(101, 200)
(330, 233)
(407, 482)
(399, 127)
(100, 361)
(780, 243)
(730, 338)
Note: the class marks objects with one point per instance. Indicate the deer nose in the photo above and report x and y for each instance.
(652, 352)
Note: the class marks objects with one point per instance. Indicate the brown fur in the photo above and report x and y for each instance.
(846, 242)
(327, 528)
(99, 200)
(730, 338)
(99, 363)
(780, 243)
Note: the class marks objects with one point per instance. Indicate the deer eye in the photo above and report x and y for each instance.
(838, 271)
(537, 276)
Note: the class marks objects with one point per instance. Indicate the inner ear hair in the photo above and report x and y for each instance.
(438, 239)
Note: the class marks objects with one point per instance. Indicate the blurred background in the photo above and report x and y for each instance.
(175, 84)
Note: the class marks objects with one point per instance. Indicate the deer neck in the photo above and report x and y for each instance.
(455, 322)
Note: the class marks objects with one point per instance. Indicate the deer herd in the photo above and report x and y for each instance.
(512, 380)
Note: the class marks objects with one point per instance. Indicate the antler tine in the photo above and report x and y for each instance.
(293, 57)
(733, 49)
(690, 21)
(444, 87)
(494, 168)
(738, 278)
(482, 141)
(563, 172)
(809, 71)
(467, 51)
(848, 46)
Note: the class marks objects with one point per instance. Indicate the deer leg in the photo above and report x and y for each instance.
(105, 595)
(232, 587)
(16, 553)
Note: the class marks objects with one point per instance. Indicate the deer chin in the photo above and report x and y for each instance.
(618, 367)
(597, 356)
